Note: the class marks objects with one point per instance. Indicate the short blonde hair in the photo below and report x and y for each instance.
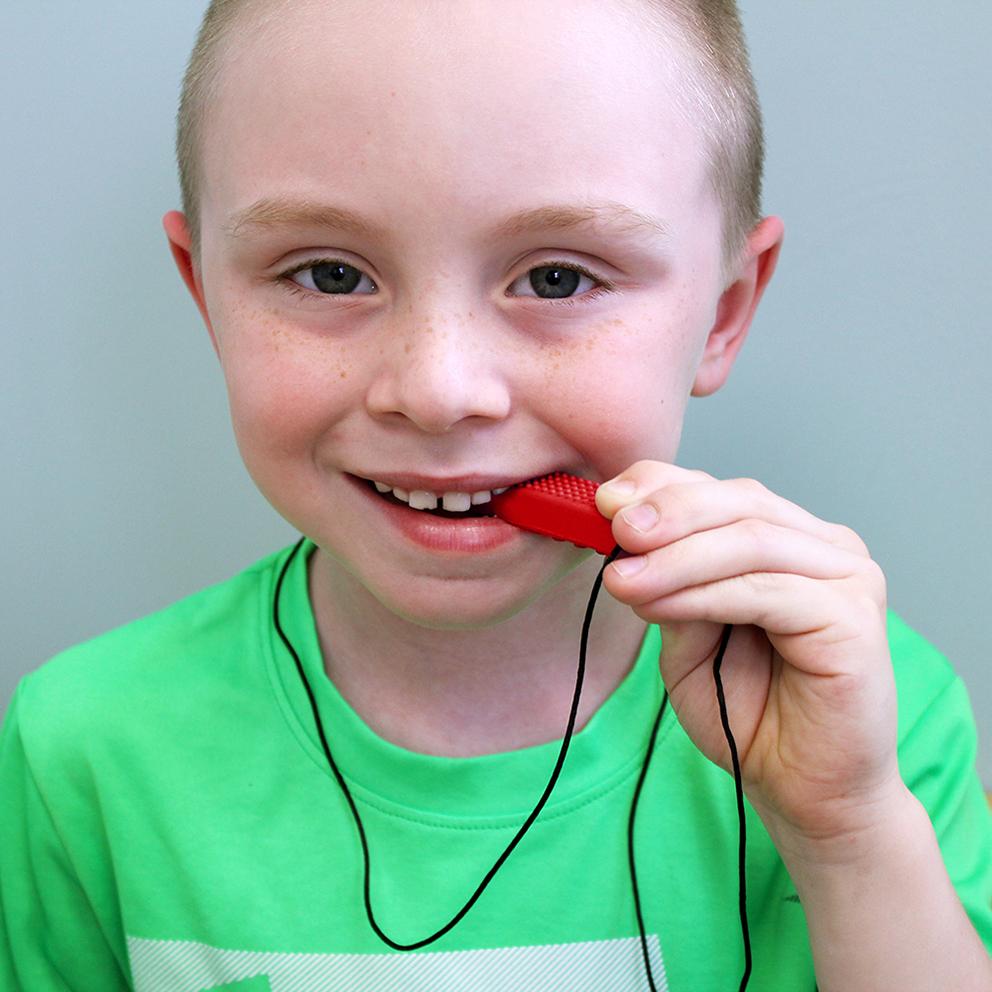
(719, 95)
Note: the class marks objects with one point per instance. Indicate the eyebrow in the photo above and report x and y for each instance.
(268, 214)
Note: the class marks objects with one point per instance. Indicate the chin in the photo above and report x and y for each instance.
(467, 610)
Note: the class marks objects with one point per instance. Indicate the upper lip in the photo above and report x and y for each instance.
(447, 484)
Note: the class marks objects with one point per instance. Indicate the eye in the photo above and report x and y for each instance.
(554, 281)
(327, 276)
(560, 280)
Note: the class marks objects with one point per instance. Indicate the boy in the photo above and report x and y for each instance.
(547, 223)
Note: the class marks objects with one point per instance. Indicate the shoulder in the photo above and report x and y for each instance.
(938, 748)
(923, 674)
(938, 734)
(153, 664)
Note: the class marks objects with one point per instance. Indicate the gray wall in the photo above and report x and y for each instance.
(861, 394)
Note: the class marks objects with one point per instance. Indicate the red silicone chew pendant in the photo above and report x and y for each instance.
(558, 505)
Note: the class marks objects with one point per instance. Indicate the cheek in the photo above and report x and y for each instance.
(623, 389)
(283, 391)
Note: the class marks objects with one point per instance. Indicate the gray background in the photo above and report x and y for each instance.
(861, 393)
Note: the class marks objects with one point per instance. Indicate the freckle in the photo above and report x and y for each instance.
(344, 375)
(407, 348)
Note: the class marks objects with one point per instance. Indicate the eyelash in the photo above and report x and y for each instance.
(605, 286)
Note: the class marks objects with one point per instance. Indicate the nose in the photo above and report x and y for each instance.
(438, 371)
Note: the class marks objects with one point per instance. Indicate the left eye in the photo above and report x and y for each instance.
(557, 281)
(329, 277)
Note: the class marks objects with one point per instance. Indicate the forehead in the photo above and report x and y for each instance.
(434, 103)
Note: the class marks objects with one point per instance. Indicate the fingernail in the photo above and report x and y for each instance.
(621, 487)
(641, 517)
(630, 566)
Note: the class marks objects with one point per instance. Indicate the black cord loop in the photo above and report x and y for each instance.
(579, 678)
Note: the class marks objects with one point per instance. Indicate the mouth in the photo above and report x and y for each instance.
(476, 520)
(450, 523)
(451, 505)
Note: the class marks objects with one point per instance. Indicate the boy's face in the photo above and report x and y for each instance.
(442, 358)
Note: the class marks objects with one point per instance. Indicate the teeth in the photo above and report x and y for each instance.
(454, 502)
(420, 499)
(457, 501)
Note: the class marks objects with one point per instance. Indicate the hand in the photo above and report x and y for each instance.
(807, 674)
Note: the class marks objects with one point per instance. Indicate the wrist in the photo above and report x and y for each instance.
(881, 910)
(863, 834)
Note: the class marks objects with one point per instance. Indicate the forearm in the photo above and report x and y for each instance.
(882, 912)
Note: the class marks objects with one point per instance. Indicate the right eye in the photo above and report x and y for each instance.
(327, 276)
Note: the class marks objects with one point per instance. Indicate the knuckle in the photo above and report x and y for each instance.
(759, 582)
(868, 599)
(872, 610)
(756, 530)
(641, 466)
(759, 534)
(850, 539)
(876, 579)
(750, 485)
(676, 497)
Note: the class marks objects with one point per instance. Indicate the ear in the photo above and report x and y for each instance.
(737, 305)
(180, 243)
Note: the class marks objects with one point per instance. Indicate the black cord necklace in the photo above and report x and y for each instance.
(580, 675)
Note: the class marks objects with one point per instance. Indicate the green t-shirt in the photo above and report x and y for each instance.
(169, 824)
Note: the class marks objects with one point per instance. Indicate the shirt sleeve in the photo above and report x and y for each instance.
(937, 760)
(50, 937)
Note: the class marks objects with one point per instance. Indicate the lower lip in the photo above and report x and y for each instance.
(470, 535)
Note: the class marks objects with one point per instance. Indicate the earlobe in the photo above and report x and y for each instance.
(180, 244)
(737, 305)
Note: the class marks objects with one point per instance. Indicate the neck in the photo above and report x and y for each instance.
(439, 692)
